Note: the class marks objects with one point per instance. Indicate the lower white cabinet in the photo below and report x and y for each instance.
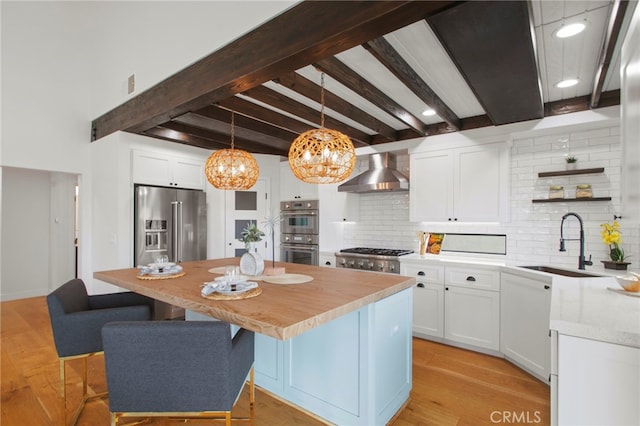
(428, 310)
(525, 306)
(328, 260)
(456, 304)
(428, 299)
(472, 316)
(597, 383)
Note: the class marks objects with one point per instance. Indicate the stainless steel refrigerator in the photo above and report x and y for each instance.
(172, 222)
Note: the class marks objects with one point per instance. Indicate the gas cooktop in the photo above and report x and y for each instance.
(376, 251)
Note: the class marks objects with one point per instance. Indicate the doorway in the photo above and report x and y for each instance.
(243, 208)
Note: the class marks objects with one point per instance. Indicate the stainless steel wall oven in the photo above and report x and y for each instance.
(299, 232)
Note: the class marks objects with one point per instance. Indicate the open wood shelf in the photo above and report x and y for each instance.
(572, 172)
(570, 200)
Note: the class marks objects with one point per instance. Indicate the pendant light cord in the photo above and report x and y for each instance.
(322, 100)
(232, 130)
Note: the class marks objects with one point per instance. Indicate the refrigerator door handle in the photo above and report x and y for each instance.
(176, 231)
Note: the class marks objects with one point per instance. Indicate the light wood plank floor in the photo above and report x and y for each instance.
(450, 386)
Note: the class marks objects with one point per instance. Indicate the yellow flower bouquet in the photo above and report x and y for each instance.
(612, 237)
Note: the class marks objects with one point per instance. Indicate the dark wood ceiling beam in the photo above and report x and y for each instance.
(258, 112)
(182, 138)
(347, 77)
(241, 135)
(491, 44)
(305, 33)
(580, 103)
(270, 116)
(222, 139)
(565, 106)
(391, 59)
(608, 46)
(246, 122)
(305, 87)
(281, 102)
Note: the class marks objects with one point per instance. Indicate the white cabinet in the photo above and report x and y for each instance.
(598, 383)
(337, 206)
(456, 304)
(161, 169)
(327, 260)
(472, 306)
(292, 188)
(525, 306)
(428, 299)
(464, 184)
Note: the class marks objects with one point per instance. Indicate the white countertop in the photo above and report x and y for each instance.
(585, 307)
(581, 307)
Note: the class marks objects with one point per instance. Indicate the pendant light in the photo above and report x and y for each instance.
(232, 169)
(322, 155)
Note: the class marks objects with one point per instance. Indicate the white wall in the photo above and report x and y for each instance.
(66, 63)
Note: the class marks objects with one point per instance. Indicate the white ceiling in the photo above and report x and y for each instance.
(558, 59)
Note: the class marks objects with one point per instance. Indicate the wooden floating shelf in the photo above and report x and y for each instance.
(570, 200)
(572, 172)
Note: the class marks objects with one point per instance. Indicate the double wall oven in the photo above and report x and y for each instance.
(299, 232)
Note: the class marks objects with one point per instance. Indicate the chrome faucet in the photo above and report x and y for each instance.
(581, 260)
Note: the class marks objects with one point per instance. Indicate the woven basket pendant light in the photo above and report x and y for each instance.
(322, 155)
(232, 169)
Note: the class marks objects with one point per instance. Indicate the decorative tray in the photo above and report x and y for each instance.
(236, 296)
(221, 290)
(160, 277)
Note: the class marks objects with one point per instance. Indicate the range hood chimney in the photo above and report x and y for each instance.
(381, 176)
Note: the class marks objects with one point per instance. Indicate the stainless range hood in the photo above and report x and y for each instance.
(381, 176)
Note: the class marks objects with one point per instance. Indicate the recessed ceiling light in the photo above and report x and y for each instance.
(567, 83)
(571, 30)
(428, 112)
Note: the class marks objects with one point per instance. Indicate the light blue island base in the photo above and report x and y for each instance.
(354, 370)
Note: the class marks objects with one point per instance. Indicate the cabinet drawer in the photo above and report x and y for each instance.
(427, 274)
(480, 278)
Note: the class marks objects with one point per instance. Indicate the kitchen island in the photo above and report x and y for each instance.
(338, 346)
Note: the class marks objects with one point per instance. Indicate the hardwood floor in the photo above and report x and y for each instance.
(450, 386)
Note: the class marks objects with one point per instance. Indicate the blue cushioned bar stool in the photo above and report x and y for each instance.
(77, 320)
(182, 369)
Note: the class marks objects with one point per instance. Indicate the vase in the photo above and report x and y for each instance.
(571, 166)
(251, 263)
(620, 266)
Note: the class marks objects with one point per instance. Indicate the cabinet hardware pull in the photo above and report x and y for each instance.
(328, 263)
(421, 273)
(446, 288)
(546, 287)
(470, 278)
(421, 285)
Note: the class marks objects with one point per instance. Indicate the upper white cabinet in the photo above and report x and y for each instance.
(292, 188)
(161, 169)
(337, 206)
(463, 184)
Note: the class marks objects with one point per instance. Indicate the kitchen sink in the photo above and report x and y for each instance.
(557, 271)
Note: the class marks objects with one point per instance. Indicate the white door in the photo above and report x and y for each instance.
(242, 208)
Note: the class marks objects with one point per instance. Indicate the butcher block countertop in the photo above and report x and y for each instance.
(282, 311)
